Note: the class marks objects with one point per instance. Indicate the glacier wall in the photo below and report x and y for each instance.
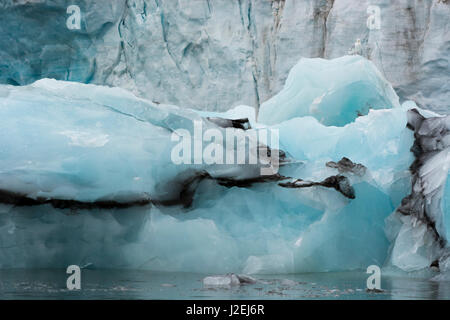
(216, 54)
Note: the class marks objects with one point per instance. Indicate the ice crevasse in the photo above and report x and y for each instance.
(86, 177)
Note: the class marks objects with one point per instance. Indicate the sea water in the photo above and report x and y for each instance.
(138, 284)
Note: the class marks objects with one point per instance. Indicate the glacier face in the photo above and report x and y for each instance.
(179, 52)
(88, 178)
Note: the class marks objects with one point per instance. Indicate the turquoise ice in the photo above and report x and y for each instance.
(334, 92)
(87, 143)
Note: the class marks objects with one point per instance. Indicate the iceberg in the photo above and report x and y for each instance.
(228, 280)
(334, 92)
(87, 177)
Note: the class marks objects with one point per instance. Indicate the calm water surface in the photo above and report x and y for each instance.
(127, 284)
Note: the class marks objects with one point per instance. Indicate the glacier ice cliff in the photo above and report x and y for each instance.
(87, 177)
(178, 52)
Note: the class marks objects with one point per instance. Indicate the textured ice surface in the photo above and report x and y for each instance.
(92, 144)
(334, 92)
(72, 141)
(89, 143)
(180, 51)
(421, 234)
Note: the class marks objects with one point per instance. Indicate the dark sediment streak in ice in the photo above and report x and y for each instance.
(338, 182)
(180, 191)
(243, 123)
(22, 200)
(183, 194)
(346, 165)
(432, 137)
(186, 188)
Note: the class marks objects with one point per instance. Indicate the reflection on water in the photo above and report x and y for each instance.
(129, 284)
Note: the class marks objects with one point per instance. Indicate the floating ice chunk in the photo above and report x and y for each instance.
(335, 92)
(168, 285)
(229, 227)
(222, 280)
(245, 279)
(288, 283)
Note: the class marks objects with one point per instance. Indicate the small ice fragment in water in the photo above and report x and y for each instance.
(229, 279)
(222, 280)
(287, 282)
(374, 290)
(244, 279)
